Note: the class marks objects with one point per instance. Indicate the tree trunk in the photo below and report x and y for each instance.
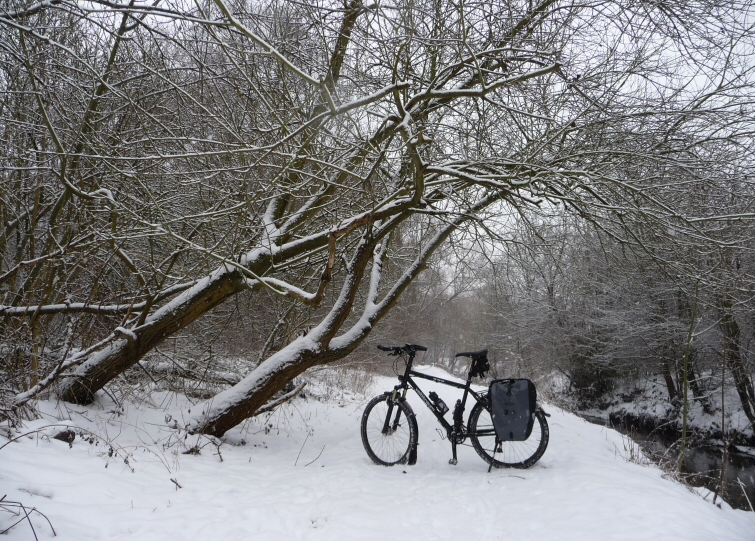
(694, 384)
(104, 365)
(742, 382)
(227, 280)
(230, 407)
(242, 401)
(666, 372)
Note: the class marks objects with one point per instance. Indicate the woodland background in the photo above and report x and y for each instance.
(219, 196)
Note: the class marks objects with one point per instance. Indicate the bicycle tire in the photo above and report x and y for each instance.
(512, 454)
(395, 447)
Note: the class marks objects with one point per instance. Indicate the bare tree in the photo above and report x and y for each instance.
(162, 159)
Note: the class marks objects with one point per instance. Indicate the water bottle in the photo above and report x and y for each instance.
(439, 404)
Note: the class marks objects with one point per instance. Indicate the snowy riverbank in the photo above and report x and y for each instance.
(303, 474)
(644, 404)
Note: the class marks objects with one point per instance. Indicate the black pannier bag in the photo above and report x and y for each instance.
(512, 407)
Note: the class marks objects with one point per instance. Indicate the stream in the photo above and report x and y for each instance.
(702, 463)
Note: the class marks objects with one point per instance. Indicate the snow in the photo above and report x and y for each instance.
(128, 333)
(187, 295)
(286, 287)
(649, 398)
(233, 395)
(303, 474)
(370, 311)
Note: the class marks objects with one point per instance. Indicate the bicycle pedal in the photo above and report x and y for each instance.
(453, 462)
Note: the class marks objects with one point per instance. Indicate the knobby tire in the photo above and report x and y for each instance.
(511, 454)
(388, 449)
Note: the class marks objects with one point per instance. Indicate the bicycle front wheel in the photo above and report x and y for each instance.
(389, 431)
(509, 454)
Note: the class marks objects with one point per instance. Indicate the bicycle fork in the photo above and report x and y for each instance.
(387, 428)
(390, 427)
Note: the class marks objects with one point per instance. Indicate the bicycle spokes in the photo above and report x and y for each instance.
(389, 434)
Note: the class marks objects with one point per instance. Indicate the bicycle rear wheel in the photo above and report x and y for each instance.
(389, 431)
(510, 454)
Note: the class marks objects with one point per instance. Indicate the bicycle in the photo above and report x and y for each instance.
(391, 440)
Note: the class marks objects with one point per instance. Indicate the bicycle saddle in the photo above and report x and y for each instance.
(473, 354)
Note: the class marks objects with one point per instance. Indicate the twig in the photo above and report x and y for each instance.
(280, 400)
(302, 448)
(26, 513)
(21, 436)
(27, 516)
(176, 483)
(742, 486)
(724, 460)
(318, 456)
(146, 372)
(217, 446)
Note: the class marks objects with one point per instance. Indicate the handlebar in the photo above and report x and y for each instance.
(479, 366)
(406, 348)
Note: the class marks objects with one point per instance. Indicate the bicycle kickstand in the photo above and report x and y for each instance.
(495, 449)
(453, 461)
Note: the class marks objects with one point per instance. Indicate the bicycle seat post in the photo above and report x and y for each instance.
(411, 353)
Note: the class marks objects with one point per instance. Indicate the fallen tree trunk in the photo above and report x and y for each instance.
(207, 376)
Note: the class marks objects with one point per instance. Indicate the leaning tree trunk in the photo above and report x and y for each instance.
(123, 352)
(231, 407)
(130, 345)
(320, 346)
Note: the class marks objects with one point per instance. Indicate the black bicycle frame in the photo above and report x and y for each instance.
(456, 430)
(407, 381)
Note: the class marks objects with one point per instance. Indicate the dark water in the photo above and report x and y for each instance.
(702, 464)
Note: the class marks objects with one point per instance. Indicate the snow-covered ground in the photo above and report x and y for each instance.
(303, 474)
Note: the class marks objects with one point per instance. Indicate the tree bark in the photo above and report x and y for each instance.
(124, 352)
(240, 406)
(666, 372)
(694, 384)
(732, 350)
